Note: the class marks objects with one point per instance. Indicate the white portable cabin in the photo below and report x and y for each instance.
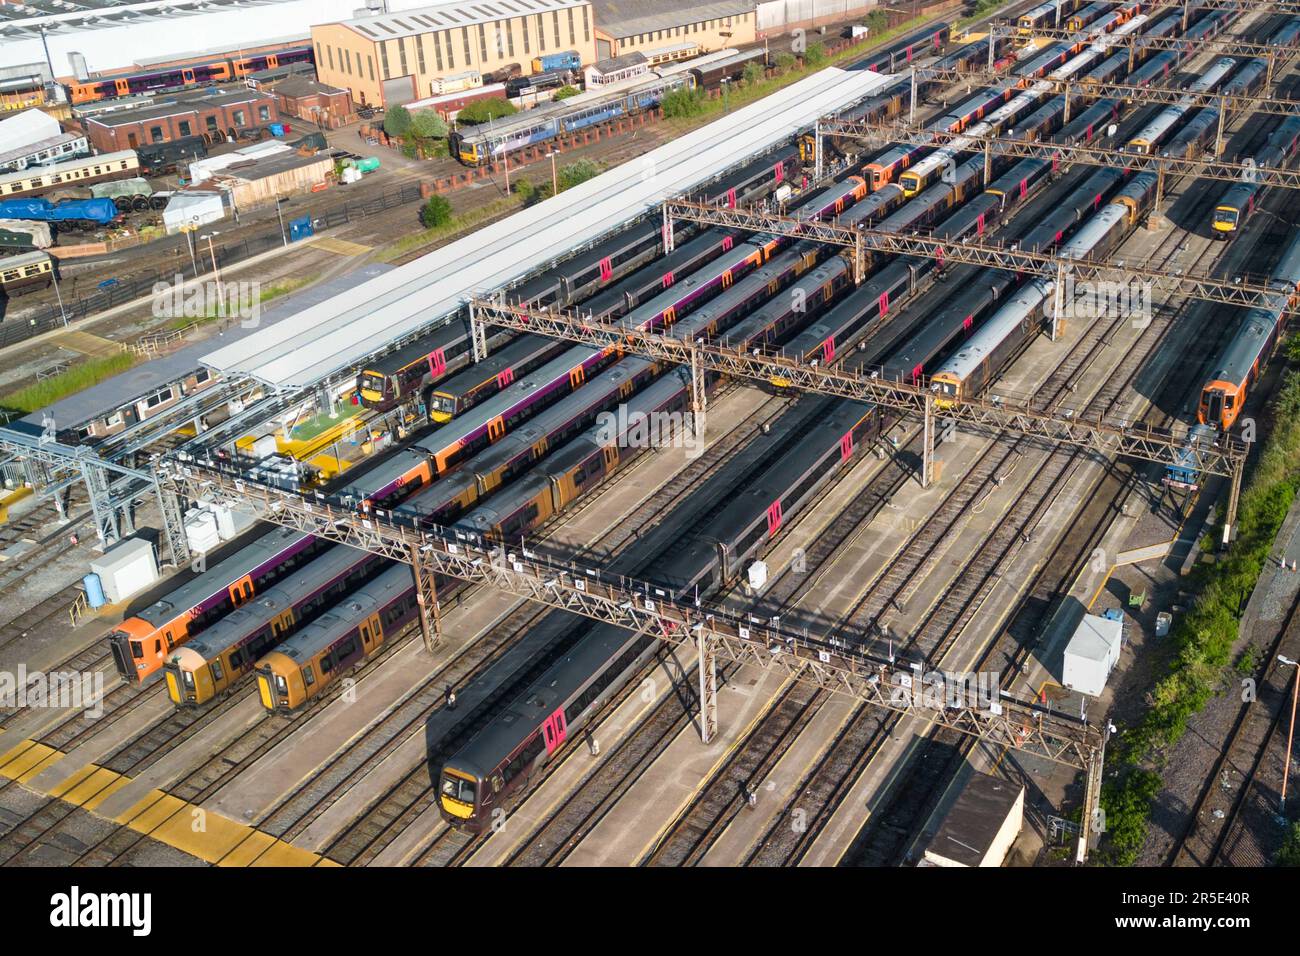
(1092, 654)
(126, 569)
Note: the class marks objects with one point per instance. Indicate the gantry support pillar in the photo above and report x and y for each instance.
(1091, 823)
(477, 335)
(699, 397)
(669, 244)
(708, 666)
(426, 596)
(1234, 498)
(927, 443)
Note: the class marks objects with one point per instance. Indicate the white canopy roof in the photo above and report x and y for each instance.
(336, 335)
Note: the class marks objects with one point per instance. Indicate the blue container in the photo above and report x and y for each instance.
(277, 129)
(300, 228)
(94, 590)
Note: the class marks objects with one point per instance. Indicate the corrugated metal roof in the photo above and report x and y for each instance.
(337, 335)
(626, 18)
(443, 16)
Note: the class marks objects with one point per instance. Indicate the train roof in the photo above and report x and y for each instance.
(339, 334)
(523, 716)
(347, 615)
(462, 426)
(65, 166)
(441, 337)
(270, 604)
(991, 334)
(218, 577)
(1242, 352)
(24, 259)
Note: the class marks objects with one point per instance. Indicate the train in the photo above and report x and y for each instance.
(501, 759)
(122, 164)
(1239, 364)
(185, 76)
(899, 55)
(1240, 200)
(1010, 330)
(487, 143)
(26, 272)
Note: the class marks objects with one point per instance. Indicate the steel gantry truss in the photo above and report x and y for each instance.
(1079, 428)
(1223, 44)
(113, 488)
(1205, 167)
(833, 662)
(1153, 95)
(1247, 290)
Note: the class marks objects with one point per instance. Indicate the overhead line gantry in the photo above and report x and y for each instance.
(835, 662)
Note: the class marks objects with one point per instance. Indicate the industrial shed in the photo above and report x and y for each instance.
(980, 826)
(274, 177)
(335, 336)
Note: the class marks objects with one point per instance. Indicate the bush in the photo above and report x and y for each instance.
(481, 111)
(785, 62)
(410, 150)
(435, 212)
(1289, 853)
(564, 92)
(683, 102)
(397, 121)
(427, 124)
(574, 173)
(878, 20)
(753, 73)
(815, 55)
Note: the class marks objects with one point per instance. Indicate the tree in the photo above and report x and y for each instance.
(753, 73)
(574, 173)
(427, 124)
(683, 102)
(1289, 853)
(397, 121)
(435, 212)
(481, 111)
(564, 92)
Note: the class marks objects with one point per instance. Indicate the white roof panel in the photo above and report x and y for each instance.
(328, 338)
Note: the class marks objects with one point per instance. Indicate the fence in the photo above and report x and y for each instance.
(49, 318)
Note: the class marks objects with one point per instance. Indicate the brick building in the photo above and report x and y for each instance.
(307, 99)
(224, 113)
(399, 57)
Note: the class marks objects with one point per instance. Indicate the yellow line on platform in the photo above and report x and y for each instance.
(199, 832)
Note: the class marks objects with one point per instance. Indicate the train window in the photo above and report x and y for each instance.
(457, 789)
(308, 676)
(157, 647)
(137, 649)
(326, 664)
(281, 685)
(217, 673)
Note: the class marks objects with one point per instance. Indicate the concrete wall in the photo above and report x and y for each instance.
(781, 16)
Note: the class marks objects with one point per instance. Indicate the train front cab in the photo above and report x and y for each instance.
(457, 792)
(1226, 220)
(139, 650)
(947, 389)
(1220, 405)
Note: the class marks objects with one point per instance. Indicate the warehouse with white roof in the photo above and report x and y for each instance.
(334, 337)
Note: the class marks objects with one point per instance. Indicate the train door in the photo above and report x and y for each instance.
(554, 731)
(272, 61)
(497, 427)
(505, 377)
(241, 590)
(774, 518)
(606, 269)
(122, 87)
(576, 377)
(282, 623)
(188, 77)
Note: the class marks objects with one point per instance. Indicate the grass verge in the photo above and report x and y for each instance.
(77, 378)
(1200, 645)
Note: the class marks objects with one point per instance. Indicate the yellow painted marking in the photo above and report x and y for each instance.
(1096, 594)
(341, 247)
(159, 815)
(88, 344)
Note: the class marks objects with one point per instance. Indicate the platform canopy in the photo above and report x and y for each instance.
(329, 338)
